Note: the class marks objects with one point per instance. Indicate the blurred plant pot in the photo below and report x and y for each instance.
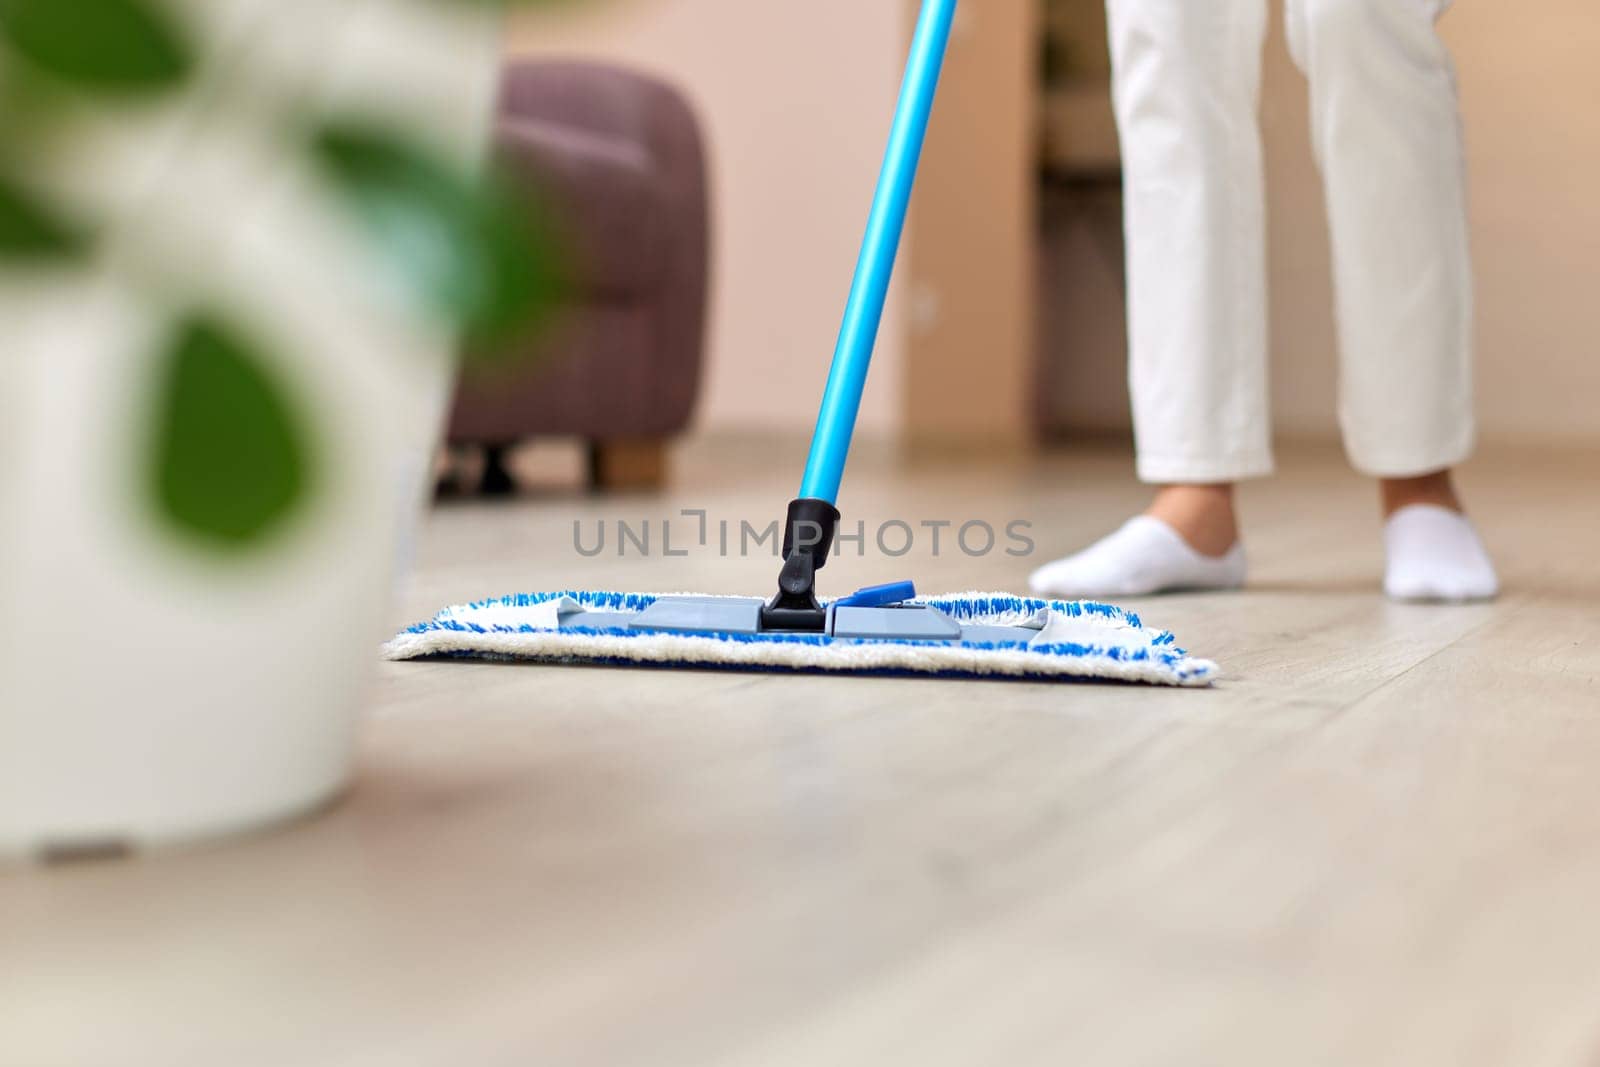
(174, 665)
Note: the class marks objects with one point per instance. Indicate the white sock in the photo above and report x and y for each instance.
(1435, 555)
(1146, 556)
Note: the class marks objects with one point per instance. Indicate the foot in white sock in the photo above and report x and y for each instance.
(1435, 555)
(1146, 556)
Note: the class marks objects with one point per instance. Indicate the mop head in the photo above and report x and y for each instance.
(1001, 637)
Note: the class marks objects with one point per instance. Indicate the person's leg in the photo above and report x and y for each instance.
(1387, 133)
(1187, 88)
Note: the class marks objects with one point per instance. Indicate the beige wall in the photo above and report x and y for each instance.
(970, 367)
(1531, 95)
(797, 99)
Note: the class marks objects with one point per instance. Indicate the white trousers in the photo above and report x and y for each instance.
(1387, 135)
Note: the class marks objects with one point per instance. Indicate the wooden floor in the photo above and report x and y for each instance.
(1376, 842)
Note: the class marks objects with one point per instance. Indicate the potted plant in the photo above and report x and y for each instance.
(238, 242)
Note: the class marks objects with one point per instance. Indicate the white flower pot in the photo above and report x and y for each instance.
(154, 688)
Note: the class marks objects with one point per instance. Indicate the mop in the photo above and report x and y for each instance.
(885, 629)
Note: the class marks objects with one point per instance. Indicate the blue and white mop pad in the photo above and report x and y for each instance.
(971, 635)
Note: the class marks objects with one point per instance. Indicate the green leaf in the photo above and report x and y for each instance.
(473, 251)
(229, 461)
(30, 230)
(120, 47)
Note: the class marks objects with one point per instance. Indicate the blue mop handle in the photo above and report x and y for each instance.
(841, 402)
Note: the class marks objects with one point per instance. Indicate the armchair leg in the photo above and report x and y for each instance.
(628, 463)
(497, 478)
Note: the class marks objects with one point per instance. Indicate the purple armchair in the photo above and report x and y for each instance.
(617, 159)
